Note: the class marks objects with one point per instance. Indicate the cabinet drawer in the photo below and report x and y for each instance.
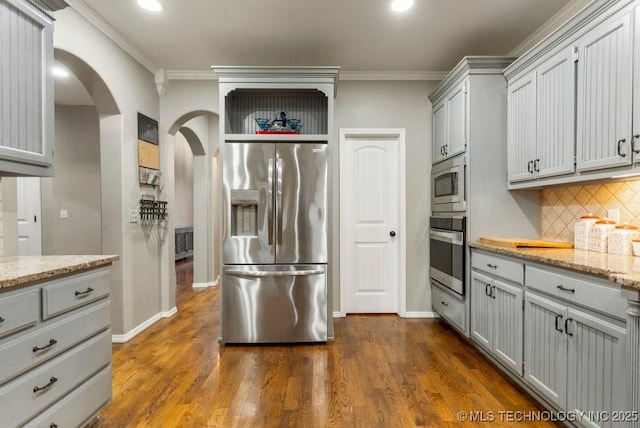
(573, 288)
(65, 294)
(498, 266)
(448, 306)
(78, 407)
(18, 355)
(19, 400)
(17, 311)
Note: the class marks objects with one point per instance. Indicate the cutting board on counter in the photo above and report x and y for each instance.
(518, 243)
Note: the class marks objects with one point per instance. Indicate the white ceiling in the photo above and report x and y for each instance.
(357, 35)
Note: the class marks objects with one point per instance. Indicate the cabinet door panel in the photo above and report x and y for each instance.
(555, 119)
(596, 378)
(26, 106)
(507, 332)
(439, 132)
(545, 352)
(481, 323)
(456, 103)
(521, 127)
(604, 95)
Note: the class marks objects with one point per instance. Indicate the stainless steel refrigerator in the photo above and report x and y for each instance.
(274, 274)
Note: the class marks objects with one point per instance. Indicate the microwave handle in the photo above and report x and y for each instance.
(456, 238)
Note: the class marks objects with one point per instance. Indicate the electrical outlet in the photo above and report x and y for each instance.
(614, 214)
(133, 215)
(64, 214)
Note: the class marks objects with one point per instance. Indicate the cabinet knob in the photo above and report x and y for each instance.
(392, 233)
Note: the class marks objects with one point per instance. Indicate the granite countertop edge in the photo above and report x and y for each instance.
(623, 270)
(16, 271)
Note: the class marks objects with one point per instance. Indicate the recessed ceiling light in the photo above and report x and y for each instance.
(152, 5)
(401, 5)
(59, 71)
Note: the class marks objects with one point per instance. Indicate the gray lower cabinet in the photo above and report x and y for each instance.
(56, 351)
(496, 318)
(574, 358)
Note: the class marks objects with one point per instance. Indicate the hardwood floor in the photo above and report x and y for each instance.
(381, 371)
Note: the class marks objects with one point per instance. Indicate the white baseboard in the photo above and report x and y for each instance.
(122, 338)
(424, 314)
(206, 284)
(200, 285)
(338, 314)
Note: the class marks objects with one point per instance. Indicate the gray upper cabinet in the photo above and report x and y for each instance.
(26, 90)
(555, 113)
(521, 128)
(450, 123)
(586, 78)
(604, 96)
(439, 132)
(540, 120)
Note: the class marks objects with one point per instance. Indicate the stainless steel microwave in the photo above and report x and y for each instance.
(447, 185)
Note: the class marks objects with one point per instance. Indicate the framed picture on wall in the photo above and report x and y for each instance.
(147, 129)
(148, 151)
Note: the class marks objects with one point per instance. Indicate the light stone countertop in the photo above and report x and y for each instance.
(624, 270)
(21, 270)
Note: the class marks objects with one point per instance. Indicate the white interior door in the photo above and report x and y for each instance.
(29, 232)
(371, 222)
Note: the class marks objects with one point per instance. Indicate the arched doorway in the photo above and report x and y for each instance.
(199, 129)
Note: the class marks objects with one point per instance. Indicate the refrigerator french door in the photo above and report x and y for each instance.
(274, 287)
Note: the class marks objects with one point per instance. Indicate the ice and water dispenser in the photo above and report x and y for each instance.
(244, 212)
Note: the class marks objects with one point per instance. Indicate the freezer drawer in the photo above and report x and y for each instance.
(274, 304)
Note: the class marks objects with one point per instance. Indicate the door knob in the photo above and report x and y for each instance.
(392, 233)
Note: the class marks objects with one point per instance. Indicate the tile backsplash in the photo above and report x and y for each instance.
(563, 206)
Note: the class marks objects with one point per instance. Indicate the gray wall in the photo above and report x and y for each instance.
(183, 174)
(394, 104)
(75, 187)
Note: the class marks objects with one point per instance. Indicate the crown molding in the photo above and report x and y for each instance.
(94, 18)
(191, 75)
(393, 75)
(563, 15)
(344, 75)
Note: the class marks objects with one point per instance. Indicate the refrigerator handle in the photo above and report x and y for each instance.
(279, 201)
(270, 203)
(264, 273)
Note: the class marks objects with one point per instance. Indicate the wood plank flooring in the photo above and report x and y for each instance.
(381, 371)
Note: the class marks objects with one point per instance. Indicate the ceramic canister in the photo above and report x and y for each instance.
(581, 231)
(599, 235)
(620, 239)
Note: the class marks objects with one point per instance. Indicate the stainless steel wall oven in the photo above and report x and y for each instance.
(447, 252)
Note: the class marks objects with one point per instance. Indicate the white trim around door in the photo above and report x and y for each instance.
(397, 136)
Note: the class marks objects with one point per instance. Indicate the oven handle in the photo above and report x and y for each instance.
(456, 238)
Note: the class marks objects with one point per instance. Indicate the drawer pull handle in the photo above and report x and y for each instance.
(41, 388)
(561, 287)
(51, 343)
(1, 319)
(492, 266)
(53, 425)
(558, 319)
(444, 303)
(487, 290)
(84, 293)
